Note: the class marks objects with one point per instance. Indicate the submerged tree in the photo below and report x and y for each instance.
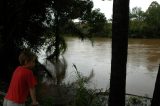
(65, 11)
(119, 52)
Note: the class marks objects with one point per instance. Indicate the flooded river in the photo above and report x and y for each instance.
(142, 64)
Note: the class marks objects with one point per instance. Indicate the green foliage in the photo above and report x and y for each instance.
(85, 96)
(137, 14)
(27, 22)
(47, 101)
(71, 9)
(136, 22)
(134, 101)
(152, 19)
(63, 12)
(96, 21)
(145, 24)
(51, 43)
(43, 101)
(21, 24)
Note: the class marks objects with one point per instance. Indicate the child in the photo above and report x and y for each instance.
(23, 82)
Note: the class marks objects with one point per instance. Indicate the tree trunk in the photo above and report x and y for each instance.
(156, 94)
(119, 52)
(57, 40)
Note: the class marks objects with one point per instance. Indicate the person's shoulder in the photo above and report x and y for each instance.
(17, 69)
(24, 69)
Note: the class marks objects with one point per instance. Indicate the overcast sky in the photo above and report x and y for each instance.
(106, 6)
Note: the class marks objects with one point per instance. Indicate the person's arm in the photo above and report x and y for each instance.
(33, 96)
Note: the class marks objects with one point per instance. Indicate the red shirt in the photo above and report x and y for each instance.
(22, 80)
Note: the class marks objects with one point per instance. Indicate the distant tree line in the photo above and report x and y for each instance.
(145, 24)
(90, 25)
(142, 24)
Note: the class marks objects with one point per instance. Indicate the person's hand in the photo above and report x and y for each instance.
(35, 104)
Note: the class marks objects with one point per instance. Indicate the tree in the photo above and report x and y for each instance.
(96, 22)
(64, 11)
(21, 22)
(119, 52)
(156, 94)
(152, 20)
(145, 24)
(137, 23)
(25, 23)
(137, 14)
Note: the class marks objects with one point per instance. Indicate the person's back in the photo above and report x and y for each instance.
(23, 82)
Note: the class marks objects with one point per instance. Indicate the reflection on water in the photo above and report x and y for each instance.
(142, 66)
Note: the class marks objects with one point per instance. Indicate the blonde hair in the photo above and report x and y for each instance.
(26, 55)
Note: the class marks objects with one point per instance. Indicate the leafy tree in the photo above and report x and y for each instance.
(25, 23)
(145, 24)
(64, 11)
(20, 21)
(137, 24)
(137, 14)
(152, 20)
(96, 22)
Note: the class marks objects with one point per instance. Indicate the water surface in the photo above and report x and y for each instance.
(142, 66)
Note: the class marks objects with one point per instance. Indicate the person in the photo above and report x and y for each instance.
(23, 82)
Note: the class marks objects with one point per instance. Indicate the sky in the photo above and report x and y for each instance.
(106, 5)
